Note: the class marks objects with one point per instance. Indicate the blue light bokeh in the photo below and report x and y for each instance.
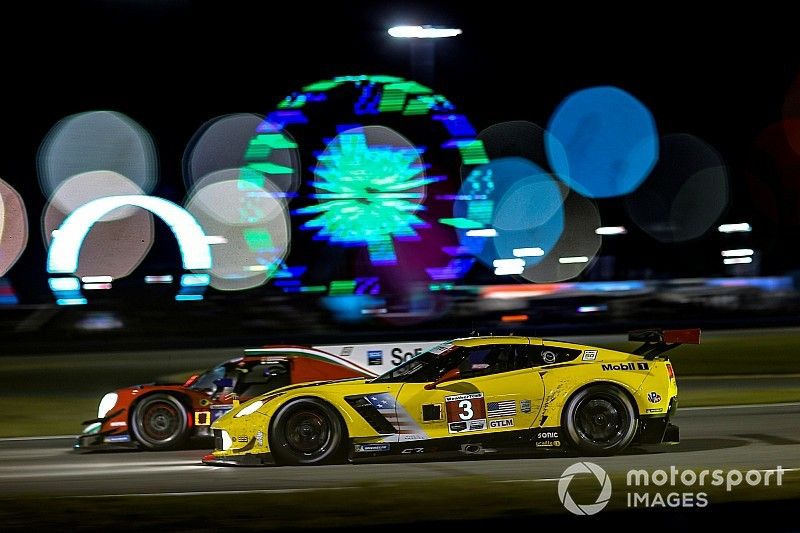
(602, 142)
(518, 199)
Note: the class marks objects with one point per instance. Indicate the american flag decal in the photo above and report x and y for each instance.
(504, 408)
(397, 416)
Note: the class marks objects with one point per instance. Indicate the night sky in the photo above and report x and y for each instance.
(172, 65)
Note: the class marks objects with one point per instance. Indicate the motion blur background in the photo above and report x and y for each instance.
(180, 180)
(556, 173)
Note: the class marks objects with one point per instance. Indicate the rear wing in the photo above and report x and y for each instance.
(659, 341)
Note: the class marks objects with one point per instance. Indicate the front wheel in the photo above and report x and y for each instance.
(160, 422)
(599, 420)
(307, 431)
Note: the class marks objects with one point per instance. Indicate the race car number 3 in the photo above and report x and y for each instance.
(465, 407)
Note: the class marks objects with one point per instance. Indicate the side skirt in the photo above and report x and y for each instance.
(506, 442)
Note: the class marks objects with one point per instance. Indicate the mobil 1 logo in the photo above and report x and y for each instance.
(625, 366)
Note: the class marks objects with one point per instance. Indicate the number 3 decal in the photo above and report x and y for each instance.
(466, 408)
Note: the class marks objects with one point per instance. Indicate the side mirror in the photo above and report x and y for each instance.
(451, 375)
(223, 382)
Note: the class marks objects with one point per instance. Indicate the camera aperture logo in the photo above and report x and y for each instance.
(602, 498)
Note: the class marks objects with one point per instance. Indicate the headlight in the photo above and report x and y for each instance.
(250, 409)
(106, 404)
(227, 442)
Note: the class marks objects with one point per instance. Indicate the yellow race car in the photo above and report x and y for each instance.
(477, 395)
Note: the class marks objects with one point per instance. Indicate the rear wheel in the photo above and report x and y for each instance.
(599, 420)
(307, 431)
(160, 422)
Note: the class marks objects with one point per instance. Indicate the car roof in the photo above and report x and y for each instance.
(256, 358)
(485, 341)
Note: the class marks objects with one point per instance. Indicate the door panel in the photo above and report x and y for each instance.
(498, 402)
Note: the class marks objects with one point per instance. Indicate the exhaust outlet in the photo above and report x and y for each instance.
(472, 449)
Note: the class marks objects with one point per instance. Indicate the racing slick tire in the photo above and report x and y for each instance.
(160, 422)
(599, 420)
(307, 431)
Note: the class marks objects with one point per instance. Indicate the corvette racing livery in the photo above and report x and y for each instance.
(467, 396)
(164, 416)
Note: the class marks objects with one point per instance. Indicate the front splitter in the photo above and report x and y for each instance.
(257, 459)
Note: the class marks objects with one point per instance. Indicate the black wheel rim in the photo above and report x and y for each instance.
(308, 432)
(161, 422)
(601, 420)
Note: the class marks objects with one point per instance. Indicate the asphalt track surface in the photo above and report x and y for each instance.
(742, 437)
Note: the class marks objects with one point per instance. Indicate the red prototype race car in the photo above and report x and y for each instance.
(163, 417)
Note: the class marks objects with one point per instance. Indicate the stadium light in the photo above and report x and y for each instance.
(741, 252)
(739, 227)
(572, 260)
(484, 232)
(423, 32)
(611, 230)
(528, 252)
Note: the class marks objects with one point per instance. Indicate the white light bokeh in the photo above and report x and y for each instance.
(250, 225)
(218, 144)
(575, 250)
(13, 227)
(119, 242)
(239, 205)
(97, 140)
(233, 142)
(87, 186)
(686, 193)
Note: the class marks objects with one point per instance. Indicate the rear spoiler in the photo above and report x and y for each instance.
(658, 341)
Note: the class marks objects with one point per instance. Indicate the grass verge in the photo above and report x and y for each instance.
(25, 416)
(739, 396)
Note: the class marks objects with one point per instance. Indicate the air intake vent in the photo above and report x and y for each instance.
(431, 412)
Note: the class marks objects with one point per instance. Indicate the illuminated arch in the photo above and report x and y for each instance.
(62, 258)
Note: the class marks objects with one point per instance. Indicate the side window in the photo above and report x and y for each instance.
(486, 360)
(261, 378)
(550, 355)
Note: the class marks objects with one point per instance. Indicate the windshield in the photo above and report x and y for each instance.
(425, 367)
(206, 380)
